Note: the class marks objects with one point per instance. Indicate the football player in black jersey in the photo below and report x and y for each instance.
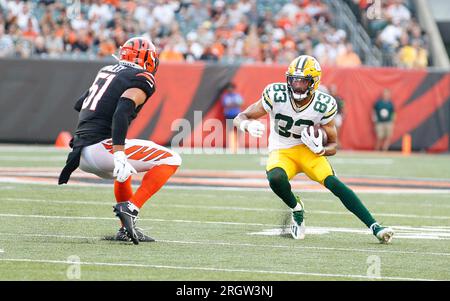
(100, 146)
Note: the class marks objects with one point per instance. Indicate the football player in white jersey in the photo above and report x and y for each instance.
(296, 109)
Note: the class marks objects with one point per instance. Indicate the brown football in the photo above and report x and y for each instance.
(318, 128)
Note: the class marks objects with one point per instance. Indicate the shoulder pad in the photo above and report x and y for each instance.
(147, 76)
(270, 89)
(331, 105)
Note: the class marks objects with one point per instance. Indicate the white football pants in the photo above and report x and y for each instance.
(142, 155)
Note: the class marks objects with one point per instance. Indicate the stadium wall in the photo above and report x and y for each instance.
(37, 97)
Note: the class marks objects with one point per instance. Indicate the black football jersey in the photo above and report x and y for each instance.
(98, 104)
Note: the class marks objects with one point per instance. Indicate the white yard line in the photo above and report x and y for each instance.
(438, 217)
(74, 202)
(407, 233)
(52, 182)
(306, 248)
(250, 245)
(141, 219)
(402, 232)
(212, 269)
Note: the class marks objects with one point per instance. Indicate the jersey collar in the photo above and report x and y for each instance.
(302, 108)
(130, 64)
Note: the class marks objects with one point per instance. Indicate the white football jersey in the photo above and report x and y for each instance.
(287, 120)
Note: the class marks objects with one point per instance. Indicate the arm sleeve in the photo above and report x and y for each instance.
(80, 100)
(121, 119)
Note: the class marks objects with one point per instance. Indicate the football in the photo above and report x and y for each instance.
(318, 128)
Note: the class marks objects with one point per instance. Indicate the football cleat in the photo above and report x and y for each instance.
(121, 235)
(128, 218)
(384, 234)
(142, 236)
(298, 222)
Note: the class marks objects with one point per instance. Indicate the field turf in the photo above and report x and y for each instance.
(217, 233)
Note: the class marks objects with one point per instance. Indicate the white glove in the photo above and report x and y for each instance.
(254, 127)
(315, 144)
(122, 169)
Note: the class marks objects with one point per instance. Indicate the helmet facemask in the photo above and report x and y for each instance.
(299, 87)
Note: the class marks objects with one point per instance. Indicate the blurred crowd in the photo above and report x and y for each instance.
(395, 31)
(189, 30)
(227, 31)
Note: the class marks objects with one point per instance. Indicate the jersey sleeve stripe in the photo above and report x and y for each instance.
(266, 97)
(268, 104)
(147, 76)
(331, 112)
(328, 116)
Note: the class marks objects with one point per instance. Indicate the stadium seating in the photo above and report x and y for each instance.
(188, 30)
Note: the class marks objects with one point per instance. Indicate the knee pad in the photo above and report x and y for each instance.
(331, 182)
(277, 176)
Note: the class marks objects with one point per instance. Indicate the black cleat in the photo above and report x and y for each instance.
(121, 235)
(128, 219)
(142, 236)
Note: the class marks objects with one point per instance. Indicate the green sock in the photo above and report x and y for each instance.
(349, 199)
(279, 183)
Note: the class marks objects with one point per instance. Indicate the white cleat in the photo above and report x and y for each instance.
(298, 231)
(298, 228)
(384, 234)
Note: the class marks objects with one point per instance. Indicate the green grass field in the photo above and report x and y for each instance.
(205, 233)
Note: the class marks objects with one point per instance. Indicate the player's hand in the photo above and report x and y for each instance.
(315, 144)
(254, 127)
(122, 169)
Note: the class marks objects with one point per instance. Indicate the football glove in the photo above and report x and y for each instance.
(254, 127)
(122, 168)
(315, 144)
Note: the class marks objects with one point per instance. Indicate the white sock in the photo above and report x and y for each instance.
(373, 226)
(297, 207)
(132, 207)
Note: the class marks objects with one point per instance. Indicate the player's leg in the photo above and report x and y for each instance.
(123, 192)
(352, 202)
(158, 162)
(280, 169)
(98, 159)
(319, 169)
